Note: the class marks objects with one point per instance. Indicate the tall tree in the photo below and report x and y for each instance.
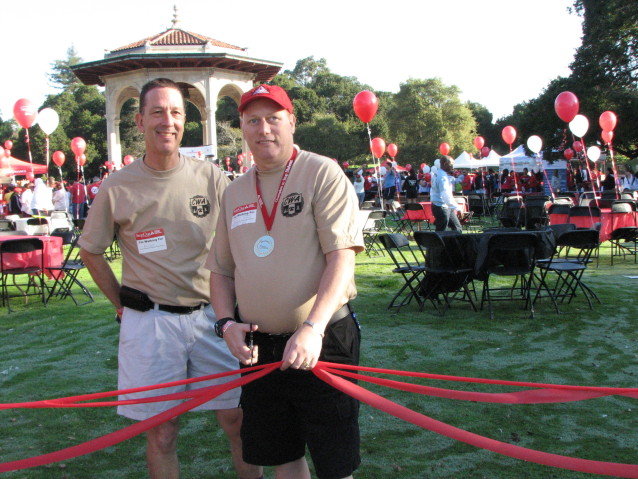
(427, 113)
(61, 76)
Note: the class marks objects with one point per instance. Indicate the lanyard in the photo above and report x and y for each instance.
(270, 219)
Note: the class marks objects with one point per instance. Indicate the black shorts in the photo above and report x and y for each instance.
(286, 410)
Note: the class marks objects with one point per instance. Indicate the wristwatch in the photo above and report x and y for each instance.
(220, 326)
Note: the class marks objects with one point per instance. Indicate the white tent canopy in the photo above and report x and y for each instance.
(465, 160)
(518, 160)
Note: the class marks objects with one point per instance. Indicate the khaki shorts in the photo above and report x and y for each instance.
(159, 347)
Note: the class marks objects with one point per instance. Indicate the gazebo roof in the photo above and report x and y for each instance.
(175, 49)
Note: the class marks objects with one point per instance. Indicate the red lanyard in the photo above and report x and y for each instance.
(270, 219)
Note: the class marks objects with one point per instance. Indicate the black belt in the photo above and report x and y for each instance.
(341, 313)
(139, 301)
(179, 309)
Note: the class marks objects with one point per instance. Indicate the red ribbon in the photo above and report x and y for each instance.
(545, 393)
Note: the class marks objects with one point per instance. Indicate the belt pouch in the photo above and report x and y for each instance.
(134, 299)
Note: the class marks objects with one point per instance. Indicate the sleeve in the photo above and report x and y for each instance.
(99, 228)
(446, 193)
(220, 258)
(336, 207)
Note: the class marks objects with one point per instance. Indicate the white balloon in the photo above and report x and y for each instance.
(434, 169)
(382, 170)
(534, 143)
(426, 169)
(579, 125)
(437, 163)
(48, 120)
(593, 153)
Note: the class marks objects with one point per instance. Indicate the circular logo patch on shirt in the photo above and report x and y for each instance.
(200, 206)
(292, 205)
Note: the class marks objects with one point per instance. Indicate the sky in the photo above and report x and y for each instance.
(498, 52)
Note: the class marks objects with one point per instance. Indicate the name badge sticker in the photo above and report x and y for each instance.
(243, 215)
(150, 241)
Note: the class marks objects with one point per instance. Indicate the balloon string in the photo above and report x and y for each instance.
(26, 139)
(377, 167)
(46, 149)
(591, 178)
(615, 170)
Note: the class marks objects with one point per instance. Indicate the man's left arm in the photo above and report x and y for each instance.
(304, 347)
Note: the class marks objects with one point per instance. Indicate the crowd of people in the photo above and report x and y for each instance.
(43, 195)
(406, 184)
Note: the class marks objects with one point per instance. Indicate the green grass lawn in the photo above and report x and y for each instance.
(62, 350)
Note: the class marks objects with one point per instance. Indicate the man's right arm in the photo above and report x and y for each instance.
(103, 276)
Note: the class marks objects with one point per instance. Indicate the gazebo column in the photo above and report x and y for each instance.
(113, 138)
(210, 127)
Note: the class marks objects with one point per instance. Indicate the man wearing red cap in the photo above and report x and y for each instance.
(284, 254)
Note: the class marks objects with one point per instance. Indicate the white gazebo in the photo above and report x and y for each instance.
(205, 68)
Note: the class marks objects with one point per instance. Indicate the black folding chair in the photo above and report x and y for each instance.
(513, 212)
(415, 216)
(408, 264)
(374, 226)
(536, 214)
(33, 284)
(509, 255)
(447, 272)
(624, 239)
(66, 275)
(580, 245)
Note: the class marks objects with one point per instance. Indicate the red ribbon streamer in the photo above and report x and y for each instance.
(546, 393)
(517, 452)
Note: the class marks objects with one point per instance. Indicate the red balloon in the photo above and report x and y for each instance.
(408, 167)
(444, 148)
(228, 160)
(30, 176)
(240, 162)
(566, 106)
(485, 151)
(58, 158)
(25, 112)
(568, 154)
(346, 164)
(427, 176)
(377, 147)
(78, 145)
(8, 144)
(365, 105)
(82, 159)
(128, 159)
(479, 141)
(239, 157)
(509, 135)
(578, 146)
(422, 166)
(607, 121)
(392, 150)
(607, 136)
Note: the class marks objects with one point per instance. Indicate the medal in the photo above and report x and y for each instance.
(264, 246)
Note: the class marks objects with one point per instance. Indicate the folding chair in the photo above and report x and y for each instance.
(415, 216)
(374, 226)
(536, 214)
(513, 213)
(624, 239)
(66, 275)
(580, 244)
(37, 226)
(34, 274)
(407, 264)
(447, 272)
(510, 255)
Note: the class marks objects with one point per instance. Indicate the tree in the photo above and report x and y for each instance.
(484, 124)
(427, 113)
(62, 77)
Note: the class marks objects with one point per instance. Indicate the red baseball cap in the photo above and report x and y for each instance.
(271, 92)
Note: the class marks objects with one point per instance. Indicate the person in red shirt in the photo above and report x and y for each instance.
(78, 199)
